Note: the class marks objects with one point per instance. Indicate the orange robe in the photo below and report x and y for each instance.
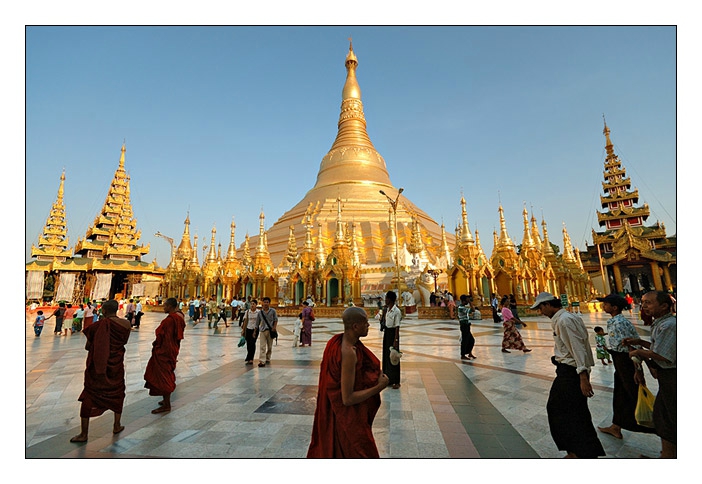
(104, 387)
(338, 430)
(160, 370)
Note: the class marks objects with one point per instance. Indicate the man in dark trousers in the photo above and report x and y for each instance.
(569, 417)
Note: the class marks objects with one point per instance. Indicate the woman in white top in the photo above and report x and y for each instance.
(248, 330)
(392, 316)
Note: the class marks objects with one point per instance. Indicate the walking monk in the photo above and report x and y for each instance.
(104, 387)
(350, 381)
(160, 370)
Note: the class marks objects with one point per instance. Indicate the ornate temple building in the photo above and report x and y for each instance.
(628, 256)
(105, 263)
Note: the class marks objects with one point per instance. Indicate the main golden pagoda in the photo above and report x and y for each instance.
(352, 221)
(628, 256)
(105, 263)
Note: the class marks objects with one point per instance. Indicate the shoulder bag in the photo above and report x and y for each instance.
(274, 333)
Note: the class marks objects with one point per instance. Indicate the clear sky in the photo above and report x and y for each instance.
(223, 121)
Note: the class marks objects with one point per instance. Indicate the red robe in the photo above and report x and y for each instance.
(104, 387)
(160, 370)
(338, 430)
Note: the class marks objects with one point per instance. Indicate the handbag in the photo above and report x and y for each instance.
(644, 407)
(242, 341)
(395, 356)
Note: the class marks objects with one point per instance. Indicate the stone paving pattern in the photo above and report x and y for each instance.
(491, 407)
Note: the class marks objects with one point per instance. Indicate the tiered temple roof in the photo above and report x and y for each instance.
(53, 242)
(113, 234)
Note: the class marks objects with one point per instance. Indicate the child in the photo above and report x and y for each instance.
(39, 323)
(601, 345)
(297, 329)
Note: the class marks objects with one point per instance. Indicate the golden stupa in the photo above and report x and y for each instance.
(353, 173)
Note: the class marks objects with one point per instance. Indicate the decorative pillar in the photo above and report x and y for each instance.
(617, 278)
(666, 277)
(656, 276)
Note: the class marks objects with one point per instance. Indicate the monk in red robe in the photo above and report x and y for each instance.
(104, 387)
(348, 398)
(160, 370)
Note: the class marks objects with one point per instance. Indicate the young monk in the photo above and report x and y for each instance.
(160, 370)
(104, 386)
(350, 381)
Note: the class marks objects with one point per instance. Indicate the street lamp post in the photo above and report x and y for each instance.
(393, 204)
(435, 274)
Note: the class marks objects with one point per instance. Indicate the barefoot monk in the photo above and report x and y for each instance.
(160, 370)
(104, 387)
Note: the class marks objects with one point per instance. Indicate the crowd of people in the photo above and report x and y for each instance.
(352, 377)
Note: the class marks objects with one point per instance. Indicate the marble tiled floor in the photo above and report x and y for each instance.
(491, 407)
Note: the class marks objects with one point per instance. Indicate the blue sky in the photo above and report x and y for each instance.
(224, 121)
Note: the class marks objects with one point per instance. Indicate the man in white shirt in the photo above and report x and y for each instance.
(569, 417)
(138, 314)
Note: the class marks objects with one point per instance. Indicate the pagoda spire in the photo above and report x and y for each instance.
(321, 251)
(231, 251)
(355, 251)
(466, 236)
(339, 236)
(535, 236)
(246, 261)
(568, 255)
(212, 254)
(352, 144)
(261, 233)
(185, 249)
(618, 201)
(504, 239)
(547, 249)
(53, 243)
(445, 251)
(527, 240)
(291, 255)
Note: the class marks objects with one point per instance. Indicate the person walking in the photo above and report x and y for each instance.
(467, 338)
(569, 418)
(306, 330)
(88, 315)
(511, 338)
(392, 316)
(348, 395)
(221, 312)
(661, 357)
(249, 330)
(130, 312)
(138, 313)
(160, 370)
(625, 394)
(38, 323)
(104, 386)
(211, 306)
(494, 303)
(58, 316)
(267, 325)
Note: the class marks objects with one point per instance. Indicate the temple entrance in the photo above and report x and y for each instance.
(332, 291)
(299, 292)
(119, 285)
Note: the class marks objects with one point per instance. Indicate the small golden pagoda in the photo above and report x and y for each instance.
(53, 243)
(628, 256)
